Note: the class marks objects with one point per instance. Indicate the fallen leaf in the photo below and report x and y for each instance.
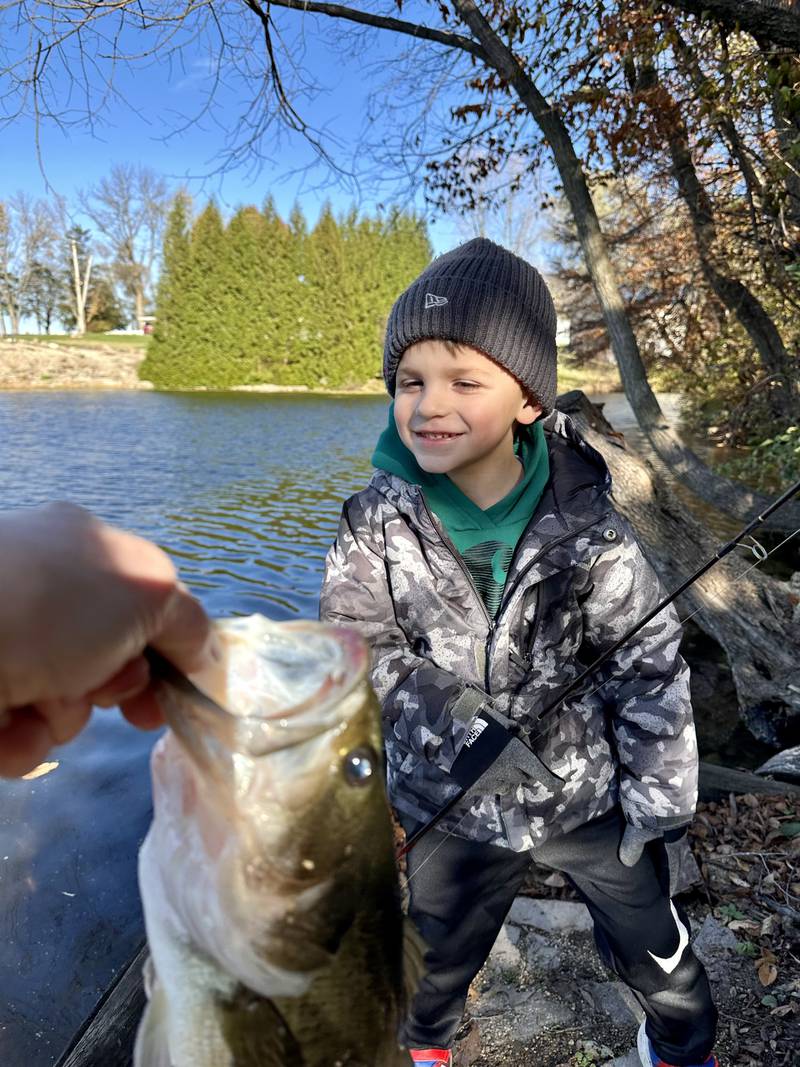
(783, 1010)
(767, 972)
(746, 925)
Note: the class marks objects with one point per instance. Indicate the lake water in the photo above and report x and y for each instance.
(245, 492)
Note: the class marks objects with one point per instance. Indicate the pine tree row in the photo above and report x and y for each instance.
(265, 301)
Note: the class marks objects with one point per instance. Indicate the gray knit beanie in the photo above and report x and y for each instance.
(481, 295)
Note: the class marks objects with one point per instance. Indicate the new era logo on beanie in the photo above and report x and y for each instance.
(488, 298)
(433, 301)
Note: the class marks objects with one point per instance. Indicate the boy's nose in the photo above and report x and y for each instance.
(431, 402)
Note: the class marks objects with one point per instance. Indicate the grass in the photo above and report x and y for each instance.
(89, 340)
(593, 377)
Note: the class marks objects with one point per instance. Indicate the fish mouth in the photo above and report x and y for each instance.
(278, 685)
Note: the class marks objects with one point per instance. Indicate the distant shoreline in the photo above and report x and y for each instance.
(33, 366)
(104, 365)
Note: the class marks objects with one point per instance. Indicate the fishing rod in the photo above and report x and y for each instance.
(488, 741)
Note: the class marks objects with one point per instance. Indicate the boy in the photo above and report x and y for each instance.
(486, 567)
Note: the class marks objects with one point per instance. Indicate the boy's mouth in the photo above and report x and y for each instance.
(429, 437)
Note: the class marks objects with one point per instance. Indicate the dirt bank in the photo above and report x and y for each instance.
(49, 365)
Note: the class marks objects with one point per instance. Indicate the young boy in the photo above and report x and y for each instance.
(486, 567)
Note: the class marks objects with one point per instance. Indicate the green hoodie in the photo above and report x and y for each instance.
(485, 540)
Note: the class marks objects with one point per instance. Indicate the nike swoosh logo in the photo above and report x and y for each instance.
(669, 964)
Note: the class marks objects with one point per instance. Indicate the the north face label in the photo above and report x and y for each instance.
(434, 301)
(475, 732)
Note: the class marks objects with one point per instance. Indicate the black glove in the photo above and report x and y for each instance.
(493, 760)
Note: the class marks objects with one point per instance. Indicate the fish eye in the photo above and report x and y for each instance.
(359, 765)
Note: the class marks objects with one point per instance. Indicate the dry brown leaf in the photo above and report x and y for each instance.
(767, 972)
(747, 925)
(782, 1010)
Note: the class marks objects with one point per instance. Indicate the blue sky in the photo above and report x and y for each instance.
(157, 95)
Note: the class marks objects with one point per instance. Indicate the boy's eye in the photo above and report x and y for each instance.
(467, 385)
(407, 383)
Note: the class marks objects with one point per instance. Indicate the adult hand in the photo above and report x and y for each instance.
(80, 601)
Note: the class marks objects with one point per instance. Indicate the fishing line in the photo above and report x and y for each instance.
(761, 555)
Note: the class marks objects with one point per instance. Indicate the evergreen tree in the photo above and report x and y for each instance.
(280, 300)
(265, 301)
(209, 327)
(43, 296)
(165, 351)
(293, 307)
(247, 273)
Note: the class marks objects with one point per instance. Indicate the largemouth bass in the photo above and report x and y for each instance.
(268, 876)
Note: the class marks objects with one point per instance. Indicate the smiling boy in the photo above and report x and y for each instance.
(486, 567)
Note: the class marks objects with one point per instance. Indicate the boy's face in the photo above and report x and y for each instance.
(455, 410)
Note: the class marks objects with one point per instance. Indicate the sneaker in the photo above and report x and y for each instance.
(650, 1059)
(431, 1057)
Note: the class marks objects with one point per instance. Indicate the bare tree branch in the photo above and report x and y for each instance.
(383, 22)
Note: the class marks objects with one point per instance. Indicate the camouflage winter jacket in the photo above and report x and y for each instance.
(578, 581)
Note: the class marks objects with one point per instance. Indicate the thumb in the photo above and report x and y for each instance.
(631, 846)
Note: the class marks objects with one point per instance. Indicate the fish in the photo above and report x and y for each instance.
(268, 876)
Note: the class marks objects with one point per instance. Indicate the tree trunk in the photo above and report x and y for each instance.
(786, 70)
(749, 616)
(139, 302)
(766, 20)
(737, 298)
(81, 290)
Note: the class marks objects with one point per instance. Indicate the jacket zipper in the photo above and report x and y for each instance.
(510, 590)
(492, 622)
(457, 557)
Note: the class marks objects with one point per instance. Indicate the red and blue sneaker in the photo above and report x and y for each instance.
(650, 1059)
(431, 1057)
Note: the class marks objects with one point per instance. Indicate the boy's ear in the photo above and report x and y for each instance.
(529, 411)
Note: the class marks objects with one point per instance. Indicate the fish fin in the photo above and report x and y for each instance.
(414, 949)
(152, 1043)
(259, 1033)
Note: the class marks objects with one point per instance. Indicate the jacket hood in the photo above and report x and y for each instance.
(579, 476)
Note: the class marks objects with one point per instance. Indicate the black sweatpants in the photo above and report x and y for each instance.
(462, 890)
